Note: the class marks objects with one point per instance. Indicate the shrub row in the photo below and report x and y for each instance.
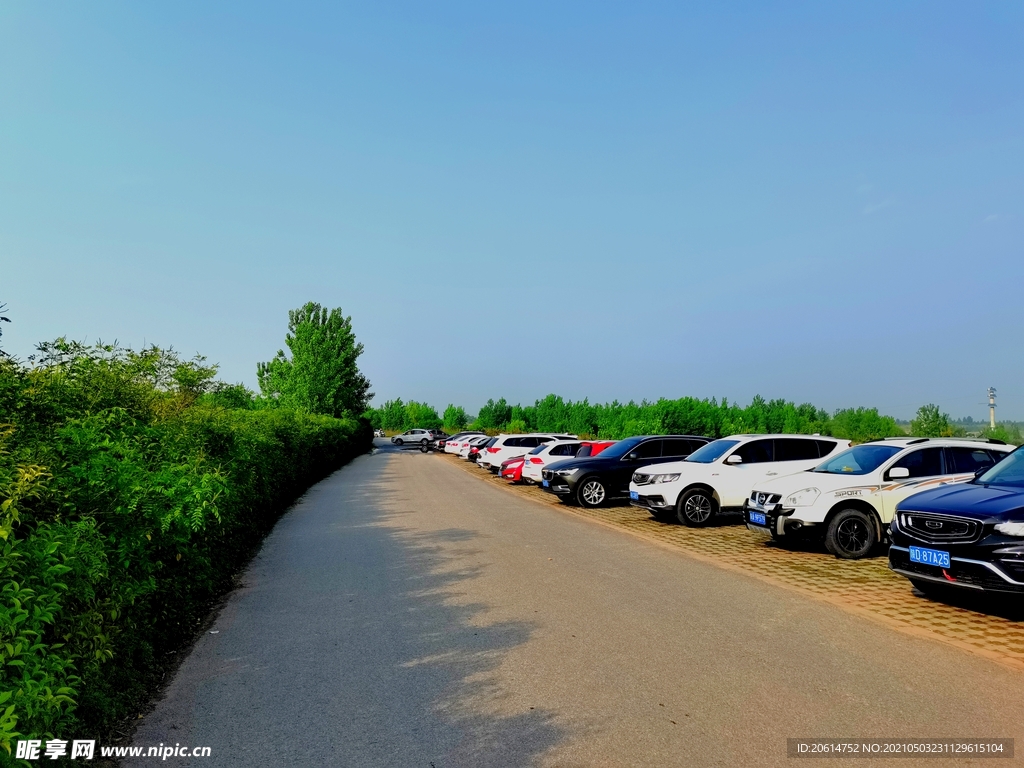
(129, 496)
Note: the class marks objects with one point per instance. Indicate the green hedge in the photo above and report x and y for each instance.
(128, 499)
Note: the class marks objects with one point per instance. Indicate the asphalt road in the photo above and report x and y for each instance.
(406, 614)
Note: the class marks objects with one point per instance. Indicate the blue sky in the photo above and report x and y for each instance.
(817, 201)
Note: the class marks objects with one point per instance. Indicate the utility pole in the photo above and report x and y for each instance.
(992, 407)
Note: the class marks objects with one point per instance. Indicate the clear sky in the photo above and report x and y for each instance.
(817, 201)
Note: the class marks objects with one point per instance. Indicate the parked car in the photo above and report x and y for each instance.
(720, 476)
(593, 480)
(512, 469)
(457, 441)
(378, 433)
(507, 446)
(967, 536)
(544, 454)
(850, 498)
(474, 451)
(470, 443)
(413, 436)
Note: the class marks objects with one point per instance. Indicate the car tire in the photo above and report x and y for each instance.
(696, 508)
(398, 441)
(591, 493)
(424, 441)
(851, 534)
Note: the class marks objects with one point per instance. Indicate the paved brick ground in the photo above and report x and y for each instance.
(866, 587)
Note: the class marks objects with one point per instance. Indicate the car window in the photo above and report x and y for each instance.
(926, 462)
(569, 449)
(756, 451)
(795, 449)
(649, 450)
(546, 439)
(969, 459)
(711, 451)
(529, 442)
(825, 447)
(676, 447)
(511, 442)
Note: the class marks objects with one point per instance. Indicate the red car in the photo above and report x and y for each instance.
(593, 447)
(512, 469)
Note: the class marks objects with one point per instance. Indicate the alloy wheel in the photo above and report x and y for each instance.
(852, 535)
(593, 493)
(697, 508)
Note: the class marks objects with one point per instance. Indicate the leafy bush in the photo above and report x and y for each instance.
(132, 487)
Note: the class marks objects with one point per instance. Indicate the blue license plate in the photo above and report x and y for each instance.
(544, 483)
(758, 518)
(634, 496)
(934, 557)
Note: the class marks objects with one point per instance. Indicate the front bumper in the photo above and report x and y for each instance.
(560, 485)
(654, 501)
(778, 520)
(980, 566)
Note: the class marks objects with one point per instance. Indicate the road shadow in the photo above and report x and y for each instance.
(348, 646)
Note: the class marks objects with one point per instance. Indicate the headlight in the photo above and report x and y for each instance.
(664, 478)
(803, 498)
(1011, 529)
(566, 472)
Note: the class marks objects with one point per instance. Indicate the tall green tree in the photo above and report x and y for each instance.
(931, 422)
(321, 375)
(3, 319)
(455, 418)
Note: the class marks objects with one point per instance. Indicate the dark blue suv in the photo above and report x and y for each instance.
(968, 535)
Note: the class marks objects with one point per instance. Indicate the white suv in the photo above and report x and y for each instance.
(720, 475)
(546, 453)
(850, 498)
(507, 446)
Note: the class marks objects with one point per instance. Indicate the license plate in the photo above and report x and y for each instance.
(758, 518)
(634, 496)
(544, 483)
(934, 557)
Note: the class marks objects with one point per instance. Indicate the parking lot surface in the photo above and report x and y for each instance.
(866, 587)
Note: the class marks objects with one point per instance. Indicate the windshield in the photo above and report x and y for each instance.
(708, 453)
(538, 449)
(1009, 471)
(859, 460)
(621, 448)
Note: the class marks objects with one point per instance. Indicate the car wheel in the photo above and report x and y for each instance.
(398, 441)
(851, 534)
(424, 441)
(591, 493)
(696, 507)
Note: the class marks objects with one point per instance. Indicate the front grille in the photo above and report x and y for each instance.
(940, 529)
(641, 479)
(761, 499)
(963, 573)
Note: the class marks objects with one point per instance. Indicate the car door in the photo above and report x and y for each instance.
(923, 464)
(967, 461)
(736, 481)
(789, 455)
(648, 452)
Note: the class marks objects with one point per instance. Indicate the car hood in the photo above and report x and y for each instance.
(979, 502)
(823, 481)
(594, 462)
(684, 468)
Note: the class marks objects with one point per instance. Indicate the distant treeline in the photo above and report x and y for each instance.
(687, 415)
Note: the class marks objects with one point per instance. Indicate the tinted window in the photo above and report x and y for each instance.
(756, 451)
(926, 462)
(825, 447)
(795, 449)
(512, 442)
(545, 439)
(649, 450)
(569, 449)
(528, 442)
(969, 459)
(676, 447)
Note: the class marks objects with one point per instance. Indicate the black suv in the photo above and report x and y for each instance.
(591, 481)
(964, 535)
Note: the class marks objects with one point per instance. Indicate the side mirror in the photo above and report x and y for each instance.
(734, 459)
(897, 472)
(632, 456)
